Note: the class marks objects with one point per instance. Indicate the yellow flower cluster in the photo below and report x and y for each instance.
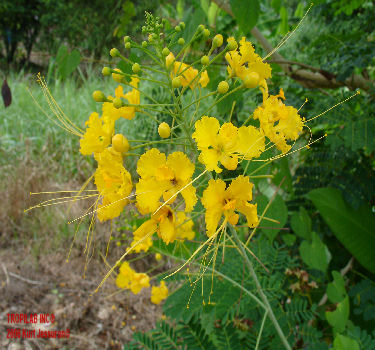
(226, 143)
(187, 73)
(244, 61)
(135, 282)
(279, 122)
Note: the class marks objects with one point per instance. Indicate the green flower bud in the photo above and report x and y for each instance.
(165, 51)
(98, 96)
(201, 28)
(106, 71)
(126, 39)
(205, 60)
(136, 68)
(177, 28)
(144, 44)
(182, 25)
(223, 87)
(206, 33)
(144, 29)
(117, 103)
(218, 41)
(127, 45)
(232, 45)
(114, 52)
(181, 41)
(176, 82)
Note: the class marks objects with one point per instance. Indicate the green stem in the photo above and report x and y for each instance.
(261, 330)
(260, 290)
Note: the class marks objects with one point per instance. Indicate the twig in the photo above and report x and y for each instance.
(26, 279)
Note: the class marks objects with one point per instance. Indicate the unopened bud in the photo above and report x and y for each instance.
(176, 82)
(232, 45)
(136, 68)
(118, 78)
(126, 39)
(114, 52)
(218, 41)
(251, 80)
(144, 44)
(169, 60)
(205, 60)
(117, 103)
(98, 96)
(164, 130)
(206, 33)
(223, 87)
(106, 71)
(165, 51)
(177, 28)
(120, 143)
(182, 25)
(128, 45)
(181, 41)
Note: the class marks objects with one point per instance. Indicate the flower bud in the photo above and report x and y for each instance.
(232, 44)
(177, 28)
(251, 80)
(201, 28)
(182, 25)
(164, 130)
(181, 41)
(120, 143)
(126, 39)
(218, 41)
(114, 52)
(117, 102)
(98, 96)
(158, 256)
(144, 44)
(176, 82)
(223, 87)
(206, 33)
(165, 51)
(106, 71)
(205, 60)
(144, 29)
(136, 68)
(128, 45)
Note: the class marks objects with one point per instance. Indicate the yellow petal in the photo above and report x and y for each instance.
(206, 130)
(212, 217)
(149, 162)
(214, 194)
(210, 158)
(240, 189)
(190, 197)
(167, 231)
(250, 142)
(181, 165)
(250, 211)
(149, 192)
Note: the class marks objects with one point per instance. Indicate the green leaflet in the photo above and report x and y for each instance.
(353, 228)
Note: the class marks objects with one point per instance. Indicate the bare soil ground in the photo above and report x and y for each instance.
(103, 320)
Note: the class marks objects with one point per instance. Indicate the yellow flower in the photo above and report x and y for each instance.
(159, 293)
(162, 177)
(187, 73)
(250, 142)
(129, 279)
(132, 96)
(219, 200)
(279, 122)
(217, 144)
(168, 226)
(113, 182)
(184, 226)
(98, 134)
(244, 60)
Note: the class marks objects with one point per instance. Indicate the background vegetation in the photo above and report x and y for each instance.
(320, 270)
